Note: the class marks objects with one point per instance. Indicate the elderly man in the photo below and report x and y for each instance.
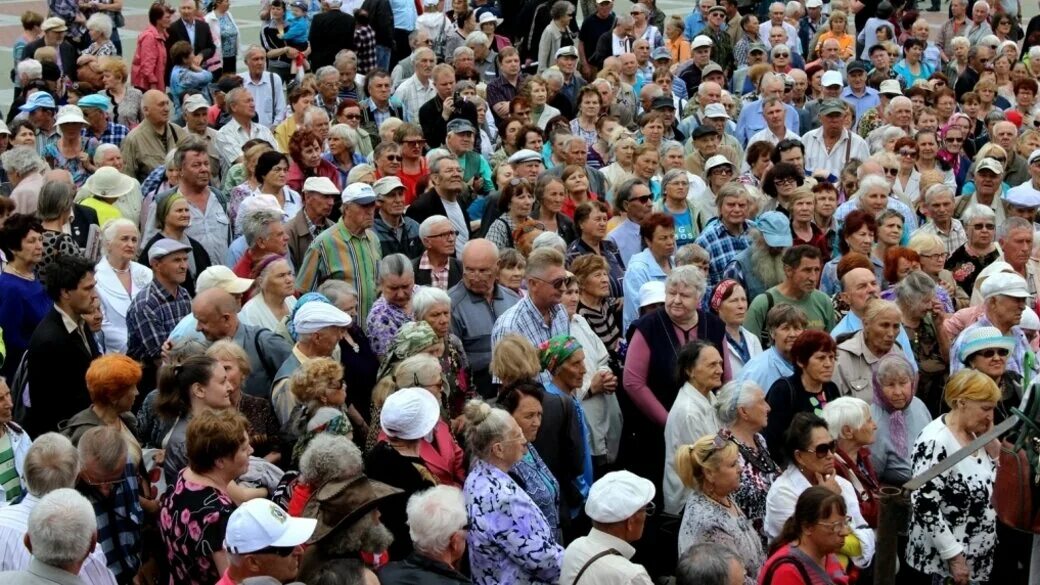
(397, 233)
(752, 116)
(265, 234)
(776, 127)
(24, 169)
(332, 31)
(760, 266)
(831, 146)
(956, 26)
(857, 92)
(437, 523)
(265, 87)
(576, 152)
(711, 563)
(157, 309)
(1016, 168)
(405, 68)
(614, 42)
(939, 200)
(1016, 241)
(722, 44)
(417, 89)
(979, 26)
(392, 309)
(460, 141)
(350, 81)
(726, 238)
(51, 464)
(483, 56)
(435, 113)
(196, 122)
(109, 482)
(697, 19)
(319, 327)
(898, 114)
(692, 72)
(635, 199)
(442, 198)
(1004, 297)
(319, 197)
(617, 505)
(96, 109)
(989, 175)
(55, 31)
(437, 265)
(802, 266)
(476, 303)
(776, 18)
(241, 128)
(347, 251)
(258, 534)
(979, 56)
(146, 145)
(377, 107)
(216, 313)
(809, 116)
(327, 97)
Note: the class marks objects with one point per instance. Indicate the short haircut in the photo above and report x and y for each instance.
(654, 221)
(51, 463)
(706, 563)
(808, 343)
(784, 314)
(61, 528)
(395, 265)
(793, 256)
(64, 273)
(214, 435)
(110, 377)
(854, 222)
(542, 259)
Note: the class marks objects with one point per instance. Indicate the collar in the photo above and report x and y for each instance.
(605, 541)
(496, 295)
(52, 574)
(71, 324)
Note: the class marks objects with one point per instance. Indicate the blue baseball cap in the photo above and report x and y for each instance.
(775, 228)
(40, 99)
(95, 100)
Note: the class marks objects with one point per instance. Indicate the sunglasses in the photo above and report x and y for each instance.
(557, 283)
(907, 152)
(416, 142)
(823, 449)
(352, 116)
(779, 55)
(282, 551)
(992, 351)
(394, 158)
(642, 198)
(954, 140)
(891, 172)
(984, 226)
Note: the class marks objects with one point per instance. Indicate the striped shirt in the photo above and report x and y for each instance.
(8, 474)
(337, 253)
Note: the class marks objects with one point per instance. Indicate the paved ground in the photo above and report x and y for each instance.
(245, 13)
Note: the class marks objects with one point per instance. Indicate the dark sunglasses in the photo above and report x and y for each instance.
(954, 140)
(352, 116)
(823, 449)
(892, 172)
(394, 158)
(985, 226)
(992, 351)
(557, 284)
(908, 152)
(642, 198)
(282, 551)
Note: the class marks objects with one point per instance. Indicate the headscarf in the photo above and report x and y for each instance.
(555, 352)
(162, 209)
(719, 293)
(952, 160)
(410, 339)
(896, 418)
(303, 300)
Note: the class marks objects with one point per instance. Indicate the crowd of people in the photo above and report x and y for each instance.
(458, 292)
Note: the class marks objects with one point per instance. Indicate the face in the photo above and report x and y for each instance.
(734, 210)
(389, 162)
(398, 289)
(794, 156)
(172, 267)
(595, 225)
(216, 392)
(512, 446)
(1004, 310)
(733, 310)
(511, 277)
(981, 230)
(279, 279)
(890, 231)
(774, 115)
(124, 243)
(820, 366)
(351, 116)
(1017, 245)
(680, 302)
(528, 415)
(521, 204)
(577, 183)
(880, 333)
(706, 373)
(379, 89)
(803, 209)
(663, 243)
(817, 457)
(976, 415)
(784, 336)
(24, 137)
(990, 361)
(639, 204)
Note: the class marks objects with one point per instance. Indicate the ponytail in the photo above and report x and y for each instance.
(175, 382)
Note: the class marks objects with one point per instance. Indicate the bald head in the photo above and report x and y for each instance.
(217, 314)
(58, 176)
(479, 264)
(156, 107)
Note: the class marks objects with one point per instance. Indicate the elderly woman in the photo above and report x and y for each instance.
(99, 27)
(393, 308)
(356, 353)
(588, 116)
(275, 279)
(646, 162)
(172, 218)
(923, 315)
(550, 195)
(342, 152)
(691, 416)
(742, 412)
(305, 150)
(321, 394)
(817, 529)
(55, 213)
(119, 280)
(857, 235)
(194, 512)
(591, 219)
(272, 168)
(654, 263)
(19, 440)
(622, 156)
(349, 112)
(72, 151)
(890, 233)
(264, 430)
(810, 454)
(515, 204)
(730, 303)
(900, 416)
(675, 185)
(809, 389)
(979, 251)
(112, 383)
(23, 300)
(854, 431)
(536, 90)
(718, 172)
(149, 64)
(650, 363)
(802, 206)
(598, 310)
(953, 137)
(953, 524)
(509, 539)
(524, 401)
(711, 471)
(126, 99)
(433, 305)
(858, 354)
(986, 350)
(932, 252)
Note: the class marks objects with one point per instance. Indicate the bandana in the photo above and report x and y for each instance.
(555, 352)
(411, 338)
(721, 291)
(897, 428)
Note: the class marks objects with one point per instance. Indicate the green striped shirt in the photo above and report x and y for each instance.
(340, 255)
(8, 474)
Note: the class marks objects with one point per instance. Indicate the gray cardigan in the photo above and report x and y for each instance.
(892, 467)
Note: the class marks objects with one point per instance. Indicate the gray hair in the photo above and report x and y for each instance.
(434, 516)
(253, 49)
(936, 191)
(29, 68)
(334, 290)
(426, 298)
(706, 563)
(672, 175)
(346, 134)
(257, 224)
(915, 288)
(102, 150)
(689, 254)
(313, 112)
(624, 20)
(326, 70)
(549, 240)
(101, 23)
(55, 200)
(602, 81)
(668, 146)
(540, 260)
(981, 3)
(892, 365)
(22, 160)
(462, 50)
(892, 133)
(427, 225)
(485, 426)
(61, 528)
(689, 276)
(1013, 224)
(51, 463)
(872, 182)
(435, 157)
(552, 75)
(108, 231)
(560, 8)
(343, 57)
(330, 457)
(395, 265)
(847, 411)
(185, 347)
(732, 396)
(412, 370)
(976, 211)
(234, 95)
(192, 143)
(477, 37)
(105, 446)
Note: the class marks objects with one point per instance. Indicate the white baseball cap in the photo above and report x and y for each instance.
(890, 87)
(323, 185)
(386, 186)
(1005, 284)
(259, 524)
(831, 78)
(222, 277)
(701, 41)
(360, 193)
(195, 102)
(715, 111)
(618, 496)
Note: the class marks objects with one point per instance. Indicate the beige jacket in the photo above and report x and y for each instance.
(852, 372)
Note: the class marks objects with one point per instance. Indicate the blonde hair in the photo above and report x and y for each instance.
(228, 350)
(875, 307)
(514, 359)
(800, 193)
(923, 243)
(989, 149)
(970, 384)
(314, 379)
(692, 460)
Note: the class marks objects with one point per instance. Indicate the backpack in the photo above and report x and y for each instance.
(763, 334)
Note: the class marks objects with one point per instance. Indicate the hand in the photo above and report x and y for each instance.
(959, 570)
(477, 183)
(165, 350)
(449, 105)
(196, 61)
(938, 311)
(828, 481)
(501, 108)
(292, 52)
(458, 424)
(609, 382)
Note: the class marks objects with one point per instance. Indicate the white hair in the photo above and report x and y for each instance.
(964, 42)
(981, 3)
(426, 298)
(732, 396)
(395, 265)
(102, 150)
(108, 231)
(976, 211)
(330, 457)
(872, 182)
(892, 133)
(427, 225)
(257, 224)
(344, 133)
(22, 160)
(51, 463)
(936, 191)
(549, 240)
(434, 516)
(313, 112)
(690, 276)
(477, 37)
(1034, 53)
(552, 75)
(61, 528)
(463, 50)
(100, 22)
(343, 57)
(29, 68)
(847, 411)
(326, 71)
(414, 370)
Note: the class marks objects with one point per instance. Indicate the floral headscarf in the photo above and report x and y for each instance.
(410, 339)
(555, 352)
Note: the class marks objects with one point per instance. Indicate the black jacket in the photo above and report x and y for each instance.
(331, 32)
(82, 218)
(435, 127)
(429, 203)
(57, 393)
(423, 277)
(66, 51)
(203, 41)
(381, 19)
(420, 570)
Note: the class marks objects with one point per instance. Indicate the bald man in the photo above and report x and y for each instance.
(216, 314)
(147, 145)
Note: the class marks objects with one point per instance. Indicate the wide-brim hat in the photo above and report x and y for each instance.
(344, 502)
(108, 183)
(70, 115)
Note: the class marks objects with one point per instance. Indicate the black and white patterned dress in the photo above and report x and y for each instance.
(952, 514)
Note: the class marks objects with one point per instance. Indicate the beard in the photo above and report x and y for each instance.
(767, 267)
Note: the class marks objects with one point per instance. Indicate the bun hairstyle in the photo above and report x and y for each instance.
(813, 505)
(485, 426)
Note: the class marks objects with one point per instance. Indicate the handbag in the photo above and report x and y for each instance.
(1017, 471)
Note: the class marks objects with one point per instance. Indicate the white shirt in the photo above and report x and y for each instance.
(766, 135)
(413, 94)
(268, 97)
(817, 156)
(607, 570)
(454, 211)
(793, 40)
(14, 521)
(293, 203)
(754, 347)
(115, 301)
(232, 136)
(692, 416)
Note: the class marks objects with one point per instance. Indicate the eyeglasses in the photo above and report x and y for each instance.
(953, 140)
(784, 55)
(282, 551)
(984, 226)
(650, 508)
(642, 198)
(838, 524)
(723, 170)
(98, 484)
(993, 351)
(823, 449)
(450, 234)
(936, 256)
(908, 152)
(394, 158)
(892, 171)
(352, 116)
(785, 182)
(557, 283)
(415, 142)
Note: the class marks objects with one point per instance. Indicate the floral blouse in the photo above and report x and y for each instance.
(509, 540)
(383, 322)
(52, 154)
(455, 365)
(952, 513)
(705, 520)
(757, 472)
(192, 522)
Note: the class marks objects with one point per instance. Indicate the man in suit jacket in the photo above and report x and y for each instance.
(443, 199)
(62, 339)
(332, 30)
(437, 266)
(190, 27)
(54, 31)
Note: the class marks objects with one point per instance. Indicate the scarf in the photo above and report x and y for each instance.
(555, 352)
(897, 430)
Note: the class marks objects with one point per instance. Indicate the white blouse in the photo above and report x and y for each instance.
(256, 313)
(115, 301)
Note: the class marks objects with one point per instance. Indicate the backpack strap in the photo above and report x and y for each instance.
(594, 558)
(763, 334)
(767, 578)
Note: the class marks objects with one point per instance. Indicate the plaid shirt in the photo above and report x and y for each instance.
(119, 520)
(438, 276)
(154, 180)
(365, 47)
(152, 316)
(722, 247)
(526, 320)
(113, 134)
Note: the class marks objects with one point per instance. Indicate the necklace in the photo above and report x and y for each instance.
(9, 268)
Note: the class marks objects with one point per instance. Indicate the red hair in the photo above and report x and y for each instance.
(892, 257)
(808, 343)
(110, 377)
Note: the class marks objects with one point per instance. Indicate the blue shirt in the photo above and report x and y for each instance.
(766, 368)
(404, 14)
(751, 120)
(626, 237)
(694, 24)
(642, 269)
(851, 323)
(861, 104)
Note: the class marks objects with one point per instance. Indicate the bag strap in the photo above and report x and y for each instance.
(848, 147)
(767, 579)
(589, 562)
